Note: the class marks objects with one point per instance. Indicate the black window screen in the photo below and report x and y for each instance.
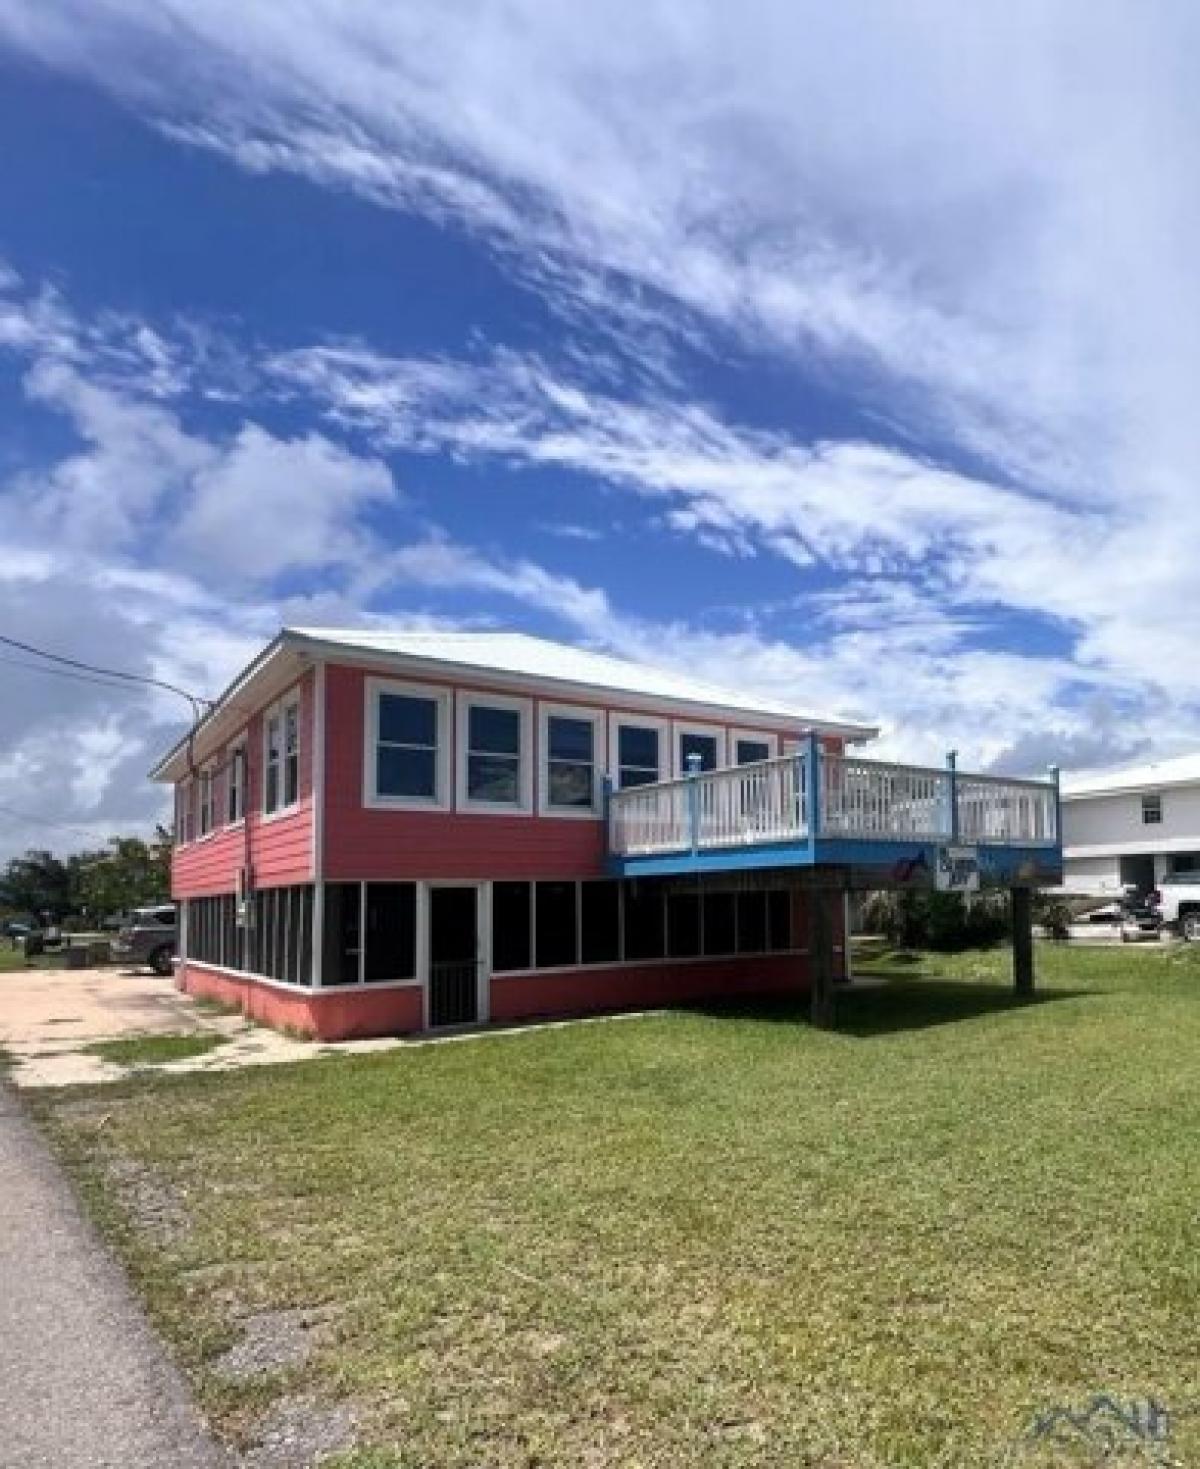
(752, 922)
(683, 925)
(391, 931)
(720, 923)
(779, 919)
(556, 925)
(643, 920)
(600, 925)
(340, 940)
(511, 938)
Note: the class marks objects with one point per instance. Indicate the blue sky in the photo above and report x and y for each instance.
(846, 357)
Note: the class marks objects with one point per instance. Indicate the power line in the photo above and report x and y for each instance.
(103, 683)
(195, 700)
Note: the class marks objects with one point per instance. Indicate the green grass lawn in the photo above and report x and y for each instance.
(154, 1050)
(698, 1239)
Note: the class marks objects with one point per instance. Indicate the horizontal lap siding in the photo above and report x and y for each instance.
(362, 842)
(280, 848)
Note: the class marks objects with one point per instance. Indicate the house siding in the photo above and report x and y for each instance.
(278, 848)
(359, 842)
(365, 842)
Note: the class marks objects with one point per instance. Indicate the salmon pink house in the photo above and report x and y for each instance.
(379, 833)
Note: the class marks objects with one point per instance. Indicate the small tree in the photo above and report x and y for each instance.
(131, 874)
(38, 884)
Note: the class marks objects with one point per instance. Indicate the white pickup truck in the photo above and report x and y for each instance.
(1179, 904)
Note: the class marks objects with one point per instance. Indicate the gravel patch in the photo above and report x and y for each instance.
(154, 1205)
(299, 1432)
(274, 1341)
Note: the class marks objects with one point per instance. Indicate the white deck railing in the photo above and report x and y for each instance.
(738, 807)
(868, 800)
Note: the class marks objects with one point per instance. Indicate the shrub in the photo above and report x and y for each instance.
(915, 919)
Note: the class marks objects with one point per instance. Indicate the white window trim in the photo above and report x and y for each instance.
(594, 717)
(441, 700)
(239, 746)
(618, 722)
(291, 700)
(680, 727)
(207, 774)
(267, 716)
(762, 736)
(185, 808)
(466, 700)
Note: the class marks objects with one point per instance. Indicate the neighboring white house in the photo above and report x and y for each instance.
(1131, 826)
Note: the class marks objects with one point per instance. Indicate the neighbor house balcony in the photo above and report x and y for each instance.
(896, 823)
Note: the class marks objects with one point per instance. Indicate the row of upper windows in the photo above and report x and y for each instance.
(407, 759)
(208, 802)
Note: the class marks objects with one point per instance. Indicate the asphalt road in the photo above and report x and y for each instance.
(84, 1382)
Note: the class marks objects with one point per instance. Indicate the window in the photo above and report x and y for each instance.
(391, 949)
(555, 919)
(1152, 810)
(779, 920)
(279, 946)
(752, 922)
(272, 751)
(341, 933)
(406, 762)
(750, 749)
(683, 925)
(281, 756)
(291, 753)
(698, 739)
(571, 758)
(235, 785)
(494, 769)
(720, 924)
(639, 753)
(185, 810)
(206, 801)
(643, 906)
(599, 922)
(511, 928)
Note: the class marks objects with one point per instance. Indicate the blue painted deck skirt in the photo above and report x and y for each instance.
(881, 825)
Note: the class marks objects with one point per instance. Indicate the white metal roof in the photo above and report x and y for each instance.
(1178, 770)
(522, 656)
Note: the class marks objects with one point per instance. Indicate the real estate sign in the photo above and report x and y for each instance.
(957, 870)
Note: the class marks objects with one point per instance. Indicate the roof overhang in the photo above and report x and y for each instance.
(290, 653)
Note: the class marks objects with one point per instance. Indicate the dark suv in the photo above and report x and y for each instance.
(148, 938)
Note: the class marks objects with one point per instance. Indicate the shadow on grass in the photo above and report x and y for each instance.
(902, 1004)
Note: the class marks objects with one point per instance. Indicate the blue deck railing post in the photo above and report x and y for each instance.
(693, 799)
(812, 785)
(952, 769)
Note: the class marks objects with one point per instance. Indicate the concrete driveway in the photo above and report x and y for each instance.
(48, 1017)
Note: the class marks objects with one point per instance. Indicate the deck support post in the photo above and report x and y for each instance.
(820, 958)
(952, 814)
(1022, 942)
(812, 786)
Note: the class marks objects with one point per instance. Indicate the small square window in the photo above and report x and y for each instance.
(751, 752)
(1152, 810)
